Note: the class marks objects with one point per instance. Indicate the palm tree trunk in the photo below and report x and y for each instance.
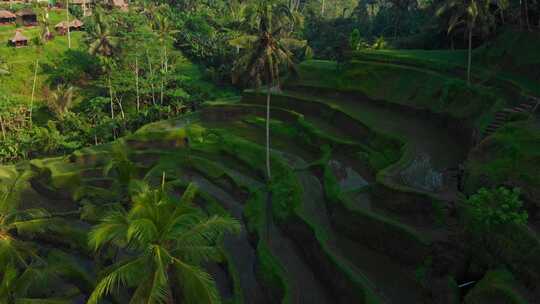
(527, 15)
(469, 59)
(323, 7)
(151, 77)
(112, 98)
(119, 101)
(397, 24)
(268, 173)
(137, 84)
(33, 90)
(2, 128)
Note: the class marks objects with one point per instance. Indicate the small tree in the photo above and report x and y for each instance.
(491, 210)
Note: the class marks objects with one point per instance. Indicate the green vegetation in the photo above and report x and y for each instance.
(274, 151)
(497, 286)
(509, 157)
(170, 241)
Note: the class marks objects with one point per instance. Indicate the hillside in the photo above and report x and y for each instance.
(140, 174)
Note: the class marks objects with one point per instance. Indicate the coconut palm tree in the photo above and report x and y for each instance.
(264, 53)
(471, 13)
(61, 100)
(45, 24)
(100, 37)
(164, 242)
(165, 31)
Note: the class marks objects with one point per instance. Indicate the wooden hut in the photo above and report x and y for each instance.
(61, 28)
(27, 17)
(76, 25)
(19, 40)
(7, 17)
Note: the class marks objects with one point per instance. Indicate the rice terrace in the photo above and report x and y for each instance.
(270, 151)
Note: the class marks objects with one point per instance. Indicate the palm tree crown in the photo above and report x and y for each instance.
(164, 242)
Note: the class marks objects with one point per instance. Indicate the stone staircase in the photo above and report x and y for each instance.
(501, 117)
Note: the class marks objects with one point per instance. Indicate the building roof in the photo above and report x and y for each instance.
(6, 14)
(61, 24)
(76, 23)
(26, 12)
(120, 4)
(18, 37)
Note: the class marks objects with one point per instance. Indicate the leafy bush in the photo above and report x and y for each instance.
(489, 210)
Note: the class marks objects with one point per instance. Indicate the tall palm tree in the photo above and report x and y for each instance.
(471, 13)
(100, 37)
(165, 242)
(165, 31)
(264, 53)
(45, 26)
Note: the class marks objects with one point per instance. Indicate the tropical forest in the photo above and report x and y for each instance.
(269, 151)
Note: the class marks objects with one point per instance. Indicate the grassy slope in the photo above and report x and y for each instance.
(409, 86)
(518, 67)
(21, 62)
(510, 156)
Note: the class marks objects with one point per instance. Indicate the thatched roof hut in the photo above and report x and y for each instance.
(7, 17)
(19, 40)
(76, 24)
(61, 27)
(27, 17)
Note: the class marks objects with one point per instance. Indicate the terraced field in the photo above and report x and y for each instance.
(328, 228)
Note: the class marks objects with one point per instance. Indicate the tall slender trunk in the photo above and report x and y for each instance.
(323, 7)
(3, 128)
(67, 24)
(520, 14)
(268, 172)
(119, 101)
(397, 24)
(111, 96)
(151, 77)
(469, 59)
(33, 90)
(165, 59)
(527, 15)
(137, 83)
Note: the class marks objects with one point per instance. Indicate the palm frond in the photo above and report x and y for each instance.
(197, 285)
(124, 275)
(112, 228)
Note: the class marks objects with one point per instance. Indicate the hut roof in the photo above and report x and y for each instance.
(61, 24)
(18, 37)
(76, 23)
(6, 14)
(120, 4)
(26, 12)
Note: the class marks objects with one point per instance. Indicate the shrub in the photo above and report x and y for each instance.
(493, 209)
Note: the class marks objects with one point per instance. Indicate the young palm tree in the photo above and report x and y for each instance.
(61, 100)
(264, 54)
(471, 13)
(165, 242)
(121, 167)
(19, 259)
